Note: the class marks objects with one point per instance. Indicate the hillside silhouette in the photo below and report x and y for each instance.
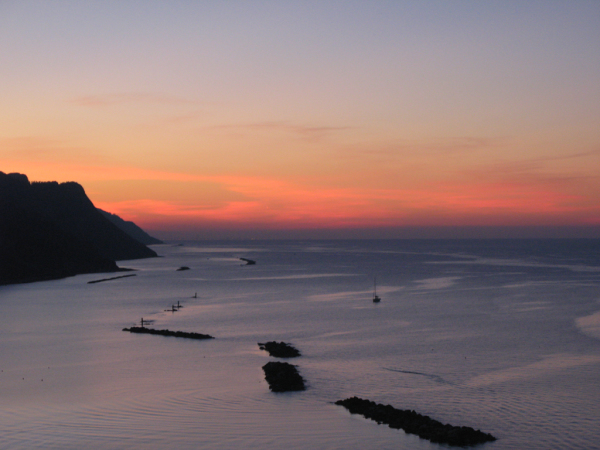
(131, 229)
(50, 230)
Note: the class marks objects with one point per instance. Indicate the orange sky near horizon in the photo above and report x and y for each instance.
(304, 115)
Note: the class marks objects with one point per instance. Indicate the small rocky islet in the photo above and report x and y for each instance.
(283, 377)
(280, 349)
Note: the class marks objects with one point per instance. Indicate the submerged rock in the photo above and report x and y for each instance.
(414, 423)
(183, 268)
(180, 334)
(283, 377)
(279, 349)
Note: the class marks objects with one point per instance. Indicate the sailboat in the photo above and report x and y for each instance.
(376, 298)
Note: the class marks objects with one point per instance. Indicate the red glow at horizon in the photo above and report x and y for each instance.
(273, 203)
(279, 204)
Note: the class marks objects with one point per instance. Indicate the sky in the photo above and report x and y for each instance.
(298, 119)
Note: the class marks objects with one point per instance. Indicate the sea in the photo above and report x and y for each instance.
(498, 335)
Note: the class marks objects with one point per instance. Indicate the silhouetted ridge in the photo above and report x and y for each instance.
(68, 206)
(131, 229)
(50, 230)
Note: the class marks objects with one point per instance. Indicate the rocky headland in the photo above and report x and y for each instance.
(131, 229)
(52, 230)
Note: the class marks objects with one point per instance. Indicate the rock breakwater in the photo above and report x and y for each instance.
(179, 334)
(415, 423)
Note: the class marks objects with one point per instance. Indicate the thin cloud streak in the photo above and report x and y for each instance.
(305, 131)
(34, 149)
(415, 150)
(102, 100)
(567, 157)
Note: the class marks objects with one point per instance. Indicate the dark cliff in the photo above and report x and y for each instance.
(131, 229)
(50, 230)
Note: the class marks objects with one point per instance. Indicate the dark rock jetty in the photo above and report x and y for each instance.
(180, 334)
(112, 278)
(283, 377)
(279, 349)
(414, 423)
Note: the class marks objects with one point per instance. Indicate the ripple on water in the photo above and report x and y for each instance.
(192, 420)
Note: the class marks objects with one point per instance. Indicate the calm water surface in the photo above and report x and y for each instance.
(503, 336)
